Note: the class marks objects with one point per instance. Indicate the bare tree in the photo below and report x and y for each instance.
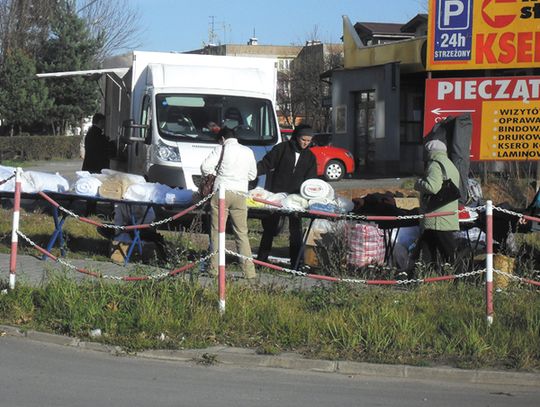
(116, 23)
(308, 89)
(24, 24)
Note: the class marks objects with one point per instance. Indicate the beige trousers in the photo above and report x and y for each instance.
(236, 208)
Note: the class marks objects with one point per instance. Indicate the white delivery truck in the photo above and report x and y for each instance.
(163, 110)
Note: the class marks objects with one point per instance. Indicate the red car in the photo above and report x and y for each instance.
(332, 162)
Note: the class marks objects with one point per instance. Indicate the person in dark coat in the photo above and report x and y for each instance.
(97, 147)
(287, 166)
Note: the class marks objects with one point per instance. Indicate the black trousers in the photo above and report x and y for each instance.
(436, 241)
(270, 226)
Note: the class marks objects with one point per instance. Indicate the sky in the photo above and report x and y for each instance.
(183, 25)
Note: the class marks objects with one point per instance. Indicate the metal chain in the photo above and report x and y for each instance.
(240, 256)
(157, 276)
(7, 179)
(508, 212)
(510, 276)
(127, 227)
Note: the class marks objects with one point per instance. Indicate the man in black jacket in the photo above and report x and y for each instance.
(97, 148)
(287, 166)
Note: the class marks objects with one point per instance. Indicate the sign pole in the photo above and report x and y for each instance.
(489, 262)
(221, 248)
(15, 229)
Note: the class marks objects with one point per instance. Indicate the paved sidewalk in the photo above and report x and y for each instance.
(249, 358)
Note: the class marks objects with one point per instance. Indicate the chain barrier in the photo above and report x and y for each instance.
(7, 179)
(127, 227)
(522, 217)
(156, 276)
(298, 273)
(517, 278)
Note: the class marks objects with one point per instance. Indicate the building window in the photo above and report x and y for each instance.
(341, 119)
(365, 127)
(411, 123)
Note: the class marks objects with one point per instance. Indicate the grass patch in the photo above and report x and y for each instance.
(427, 325)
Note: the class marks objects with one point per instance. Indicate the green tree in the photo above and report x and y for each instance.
(23, 98)
(70, 47)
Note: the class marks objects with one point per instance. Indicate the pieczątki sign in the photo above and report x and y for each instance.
(505, 112)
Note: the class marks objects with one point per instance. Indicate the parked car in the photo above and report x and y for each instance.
(333, 163)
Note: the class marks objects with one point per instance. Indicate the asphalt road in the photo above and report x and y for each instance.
(42, 374)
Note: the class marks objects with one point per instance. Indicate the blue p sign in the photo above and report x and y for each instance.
(453, 31)
(454, 14)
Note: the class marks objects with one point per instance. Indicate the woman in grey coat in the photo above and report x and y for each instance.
(438, 232)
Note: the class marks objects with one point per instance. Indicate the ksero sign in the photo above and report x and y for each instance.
(483, 34)
(505, 114)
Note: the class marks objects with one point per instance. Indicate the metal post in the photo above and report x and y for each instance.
(489, 262)
(15, 229)
(221, 248)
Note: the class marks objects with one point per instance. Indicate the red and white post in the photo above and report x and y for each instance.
(15, 229)
(489, 262)
(221, 248)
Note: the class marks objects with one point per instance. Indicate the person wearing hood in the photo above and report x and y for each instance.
(438, 232)
(287, 166)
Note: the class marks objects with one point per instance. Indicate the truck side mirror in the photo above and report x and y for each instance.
(148, 136)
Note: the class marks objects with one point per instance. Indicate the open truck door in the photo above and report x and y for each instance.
(114, 86)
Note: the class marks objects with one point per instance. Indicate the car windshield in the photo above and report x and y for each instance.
(200, 117)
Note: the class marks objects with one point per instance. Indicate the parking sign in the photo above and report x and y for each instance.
(453, 30)
(483, 34)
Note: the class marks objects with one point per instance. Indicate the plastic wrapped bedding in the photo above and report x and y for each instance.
(35, 181)
(114, 184)
(277, 198)
(87, 186)
(5, 173)
(158, 193)
(345, 205)
(295, 202)
(315, 188)
(129, 178)
(179, 196)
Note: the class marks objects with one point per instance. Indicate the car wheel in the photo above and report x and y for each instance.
(334, 170)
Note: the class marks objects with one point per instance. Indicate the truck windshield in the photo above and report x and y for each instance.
(200, 117)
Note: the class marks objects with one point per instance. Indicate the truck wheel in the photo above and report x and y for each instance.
(334, 170)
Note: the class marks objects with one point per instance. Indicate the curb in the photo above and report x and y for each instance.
(249, 358)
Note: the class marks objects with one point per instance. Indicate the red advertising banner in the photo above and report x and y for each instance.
(505, 113)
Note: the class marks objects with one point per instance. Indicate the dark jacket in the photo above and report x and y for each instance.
(97, 151)
(279, 166)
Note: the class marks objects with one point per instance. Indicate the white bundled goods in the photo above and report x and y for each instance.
(257, 193)
(131, 178)
(158, 193)
(35, 181)
(115, 184)
(5, 173)
(277, 198)
(346, 205)
(295, 202)
(86, 184)
(315, 188)
(179, 196)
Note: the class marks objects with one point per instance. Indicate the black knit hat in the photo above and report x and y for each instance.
(302, 130)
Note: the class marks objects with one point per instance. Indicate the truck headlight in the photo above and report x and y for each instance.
(165, 152)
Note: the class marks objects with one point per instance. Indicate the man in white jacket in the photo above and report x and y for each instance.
(237, 168)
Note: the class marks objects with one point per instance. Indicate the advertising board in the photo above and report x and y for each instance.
(483, 34)
(505, 114)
